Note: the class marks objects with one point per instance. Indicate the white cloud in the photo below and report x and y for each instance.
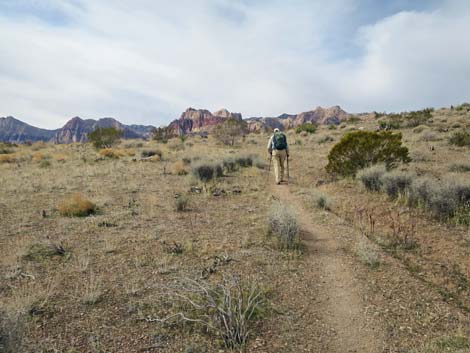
(146, 61)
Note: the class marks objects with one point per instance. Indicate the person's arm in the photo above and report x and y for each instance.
(270, 145)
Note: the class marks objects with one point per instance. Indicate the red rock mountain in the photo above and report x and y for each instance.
(199, 120)
(330, 116)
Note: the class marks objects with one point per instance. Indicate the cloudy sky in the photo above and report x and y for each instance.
(145, 61)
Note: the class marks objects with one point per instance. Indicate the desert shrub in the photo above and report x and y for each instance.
(361, 149)
(40, 251)
(396, 183)
(151, 153)
(227, 309)
(5, 150)
(325, 139)
(332, 127)
(368, 254)
(353, 119)
(12, 331)
(182, 203)
(283, 223)
(259, 163)
(445, 200)
(162, 134)
(463, 107)
(179, 168)
(230, 165)
(110, 153)
(230, 130)
(308, 128)
(420, 128)
(218, 170)
(45, 164)
(321, 201)
(105, 137)
(76, 205)
(419, 117)
(421, 191)
(459, 168)
(244, 161)
(176, 146)
(429, 136)
(205, 172)
(38, 145)
(460, 138)
(418, 156)
(371, 177)
(389, 124)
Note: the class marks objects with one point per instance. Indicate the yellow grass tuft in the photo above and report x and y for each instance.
(8, 158)
(111, 153)
(179, 168)
(76, 205)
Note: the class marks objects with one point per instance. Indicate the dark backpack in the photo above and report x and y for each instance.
(279, 141)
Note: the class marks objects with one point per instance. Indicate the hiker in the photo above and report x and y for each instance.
(278, 148)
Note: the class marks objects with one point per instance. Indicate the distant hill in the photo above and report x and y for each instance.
(199, 120)
(75, 130)
(16, 131)
(330, 116)
(190, 121)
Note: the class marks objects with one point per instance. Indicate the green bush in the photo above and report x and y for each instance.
(389, 124)
(230, 165)
(361, 149)
(372, 177)
(419, 117)
(105, 137)
(244, 161)
(460, 138)
(181, 203)
(308, 128)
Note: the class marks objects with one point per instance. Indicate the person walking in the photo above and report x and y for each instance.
(279, 150)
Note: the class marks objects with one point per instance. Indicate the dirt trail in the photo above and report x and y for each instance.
(338, 302)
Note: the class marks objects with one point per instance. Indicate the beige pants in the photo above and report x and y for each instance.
(279, 157)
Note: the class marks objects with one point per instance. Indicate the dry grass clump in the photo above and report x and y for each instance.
(372, 177)
(38, 145)
(182, 203)
(111, 153)
(92, 291)
(176, 146)
(8, 158)
(230, 165)
(39, 157)
(368, 254)
(179, 168)
(228, 309)
(319, 200)
(76, 205)
(283, 223)
(61, 158)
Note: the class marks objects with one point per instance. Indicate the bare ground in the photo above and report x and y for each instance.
(335, 294)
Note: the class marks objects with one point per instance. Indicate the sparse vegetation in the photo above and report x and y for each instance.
(76, 205)
(368, 253)
(459, 168)
(179, 168)
(396, 183)
(151, 153)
